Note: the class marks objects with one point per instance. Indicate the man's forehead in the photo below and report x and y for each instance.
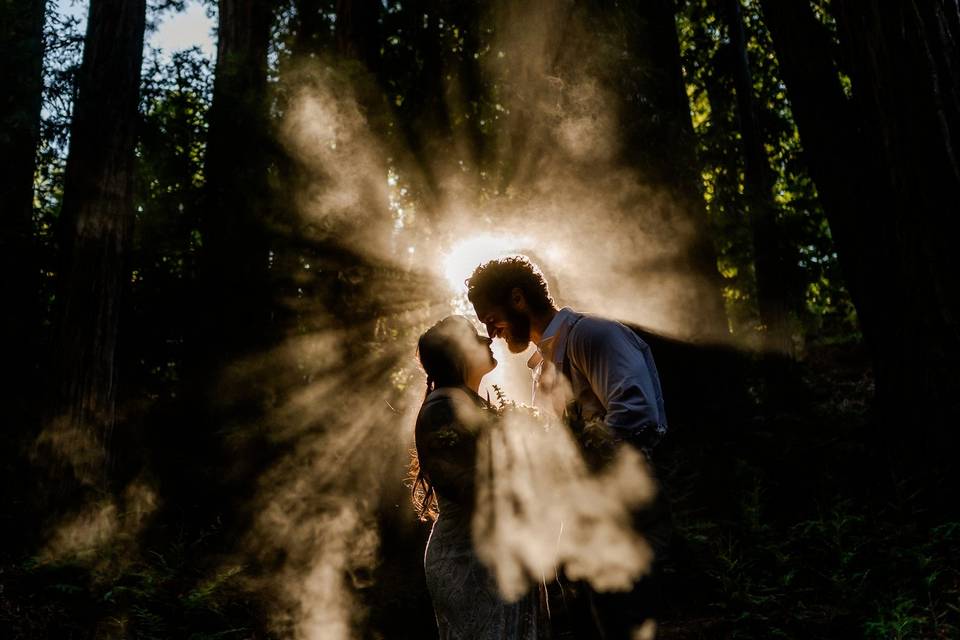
(485, 311)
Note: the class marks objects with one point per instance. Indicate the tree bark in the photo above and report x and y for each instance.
(890, 185)
(424, 117)
(356, 30)
(21, 44)
(831, 139)
(662, 146)
(234, 262)
(312, 29)
(905, 69)
(96, 222)
(772, 273)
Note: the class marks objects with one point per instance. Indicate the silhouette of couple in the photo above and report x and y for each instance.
(586, 370)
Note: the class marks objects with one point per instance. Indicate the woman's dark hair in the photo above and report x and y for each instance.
(441, 354)
(493, 282)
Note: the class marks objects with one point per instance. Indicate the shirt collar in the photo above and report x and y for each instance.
(549, 346)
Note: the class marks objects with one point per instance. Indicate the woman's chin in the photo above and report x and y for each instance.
(517, 347)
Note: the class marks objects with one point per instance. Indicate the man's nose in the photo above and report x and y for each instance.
(491, 330)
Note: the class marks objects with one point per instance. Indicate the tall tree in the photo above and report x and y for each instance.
(770, 268)
(96, 222)
(356, 30)
(232, 310)
(660, 141)
(904, 63)
(312, 28)
(235, 258)
(422, 113)
(884, 161)
(21, 48)
(624, 60)
(831, 139)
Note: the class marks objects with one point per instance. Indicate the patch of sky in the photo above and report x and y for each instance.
(171, 31)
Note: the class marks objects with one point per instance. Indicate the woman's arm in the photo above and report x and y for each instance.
(446, 446)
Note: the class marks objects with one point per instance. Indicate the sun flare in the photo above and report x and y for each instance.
(463, 257)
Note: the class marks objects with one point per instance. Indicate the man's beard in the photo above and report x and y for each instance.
(519, 327)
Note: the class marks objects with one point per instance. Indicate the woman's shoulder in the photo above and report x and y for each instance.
(449, 405)
(437, 408)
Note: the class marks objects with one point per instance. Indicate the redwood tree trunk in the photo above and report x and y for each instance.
(661, 143)
(832, 139)
(772, 274)
(889, 181)
(904, 62)
(95, 230)
(235, 260)
(21, 75)
(312, 28)
(357, 31)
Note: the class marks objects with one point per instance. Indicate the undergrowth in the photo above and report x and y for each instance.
(153, 594)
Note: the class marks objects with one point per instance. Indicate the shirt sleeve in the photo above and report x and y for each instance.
(619, 369)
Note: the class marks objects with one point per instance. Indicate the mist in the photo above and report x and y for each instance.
(561, 192)
(338, 396)
(218, 261)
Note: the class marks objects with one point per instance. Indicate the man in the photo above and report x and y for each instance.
(586, 369)
(608, 372)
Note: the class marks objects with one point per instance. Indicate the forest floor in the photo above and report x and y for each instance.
(803, 525)
(795, 524)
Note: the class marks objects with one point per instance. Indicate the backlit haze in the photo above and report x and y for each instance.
(342, 401)
(606, 241)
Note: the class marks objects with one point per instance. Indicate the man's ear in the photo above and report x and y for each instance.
(518, 300)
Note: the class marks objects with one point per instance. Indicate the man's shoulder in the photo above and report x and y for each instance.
(595, 334)
(591, 326)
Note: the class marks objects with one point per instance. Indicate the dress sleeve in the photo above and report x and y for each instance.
(446, 447)
(620, 371)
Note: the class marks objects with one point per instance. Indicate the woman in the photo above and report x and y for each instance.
(465, 596)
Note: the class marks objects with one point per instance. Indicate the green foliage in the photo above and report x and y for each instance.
(175, 99)
(819, 300)
(63, 45)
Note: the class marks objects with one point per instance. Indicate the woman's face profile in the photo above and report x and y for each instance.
(479, 356)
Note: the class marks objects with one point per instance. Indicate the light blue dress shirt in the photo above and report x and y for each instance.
(611, 374)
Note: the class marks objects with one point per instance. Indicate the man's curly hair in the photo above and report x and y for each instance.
(492, 282)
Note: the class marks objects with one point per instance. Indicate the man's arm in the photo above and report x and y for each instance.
(619, 369)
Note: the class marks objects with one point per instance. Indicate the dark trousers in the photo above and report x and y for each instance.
(620, 613)
(578, 612)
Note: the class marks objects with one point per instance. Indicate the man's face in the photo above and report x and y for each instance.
(505, 322)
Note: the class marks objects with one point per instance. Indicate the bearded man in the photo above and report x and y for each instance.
(608, 372)
(591, 371)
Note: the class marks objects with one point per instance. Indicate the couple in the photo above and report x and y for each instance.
(585, 368)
